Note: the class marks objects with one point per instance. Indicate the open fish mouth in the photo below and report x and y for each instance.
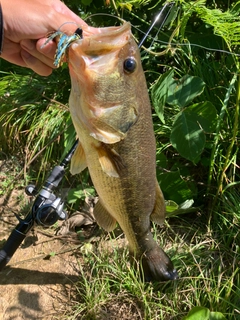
(107, 35)
(98, 48)
(93, 41)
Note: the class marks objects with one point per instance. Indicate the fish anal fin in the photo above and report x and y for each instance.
(159, 211)
(110, 161)
(103, 217)
(78, 161)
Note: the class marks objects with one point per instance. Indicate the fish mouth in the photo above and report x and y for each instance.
(107, 36)
(98, 48)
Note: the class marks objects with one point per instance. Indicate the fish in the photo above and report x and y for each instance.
(111, 113)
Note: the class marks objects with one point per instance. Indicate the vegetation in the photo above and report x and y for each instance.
(191, 62)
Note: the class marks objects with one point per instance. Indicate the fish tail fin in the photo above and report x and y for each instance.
(157, 266)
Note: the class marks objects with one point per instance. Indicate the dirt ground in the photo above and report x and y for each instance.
(38, 281)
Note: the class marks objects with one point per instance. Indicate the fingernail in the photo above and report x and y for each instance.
(45, 47)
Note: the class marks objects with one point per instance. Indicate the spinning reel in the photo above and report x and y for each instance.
(47, 209)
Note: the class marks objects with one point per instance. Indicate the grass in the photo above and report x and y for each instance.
(207, 260)
(34, 117)
(10, 173)
(206, 256)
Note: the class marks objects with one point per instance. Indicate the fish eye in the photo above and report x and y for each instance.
(129, 65)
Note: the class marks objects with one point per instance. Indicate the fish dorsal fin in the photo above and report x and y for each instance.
(103, 217)
(78, 161)
(110, 161)
(159, 211)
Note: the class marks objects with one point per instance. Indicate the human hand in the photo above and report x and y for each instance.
(26, 26)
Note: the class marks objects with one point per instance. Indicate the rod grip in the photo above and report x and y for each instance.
(9, 248)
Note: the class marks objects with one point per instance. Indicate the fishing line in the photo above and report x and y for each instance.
(200, 46)
(104, 14)
(173, 45)
(154, 39)
(68, 22)
(147, 33)
(163, 22)
(156, 20)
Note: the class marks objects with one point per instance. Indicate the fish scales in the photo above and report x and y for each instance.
(111, 112)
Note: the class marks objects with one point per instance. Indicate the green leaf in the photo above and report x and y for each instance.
(171, 206)
(205, 114)
(216, 316)
(86, 2)
(186, 204)
(188, 136)
(78, 193)
(185, 207)
(175, 188)
(52, 254)
(161, 159)
(159, 93)
(198, 313)
(171, 16)
(181, 92)
(201, 313)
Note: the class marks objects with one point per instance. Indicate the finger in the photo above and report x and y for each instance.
(11, 53)
(47, 49)
(30, 47)
(66, 15)
(35, 64)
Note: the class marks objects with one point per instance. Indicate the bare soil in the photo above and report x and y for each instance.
(38, 282)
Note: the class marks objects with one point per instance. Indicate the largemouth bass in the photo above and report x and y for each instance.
(111, 112)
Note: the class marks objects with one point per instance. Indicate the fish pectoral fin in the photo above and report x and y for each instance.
(103, 217)
(110, 161)
(159, 211)
(113, 123)
(78, 161)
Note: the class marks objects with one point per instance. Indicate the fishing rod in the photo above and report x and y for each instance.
(161, 17)
(48, 208)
